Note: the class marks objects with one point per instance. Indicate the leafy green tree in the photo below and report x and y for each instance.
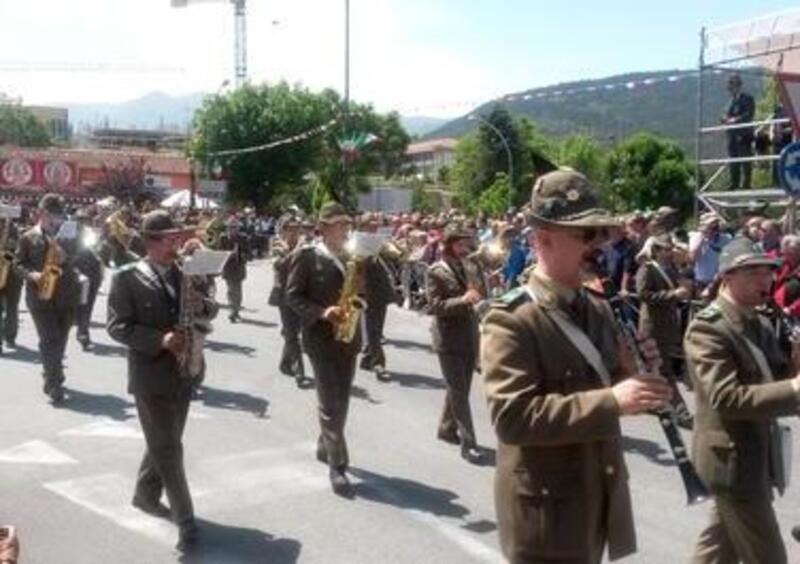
(494, 200)
(421, 200)
(585, 155)
(645, 172)
(19, 127)
(256, 115)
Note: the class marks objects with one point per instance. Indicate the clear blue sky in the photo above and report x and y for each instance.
(429, 57)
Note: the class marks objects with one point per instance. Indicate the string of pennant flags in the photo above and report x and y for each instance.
(550, 92)
(313, 132)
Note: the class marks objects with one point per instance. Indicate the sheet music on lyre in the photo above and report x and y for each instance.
(205, 262)
(10, 212)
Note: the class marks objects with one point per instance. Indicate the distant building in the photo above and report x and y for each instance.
(56, 120)
(426, 158)
(151, 139)
(28, 173)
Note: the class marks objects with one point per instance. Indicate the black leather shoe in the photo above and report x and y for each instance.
(11, 343)
(382, 375)
(304, 383)
(471, 455)
(57, 395)
(156, 509)
(340, 484)
(796, 533)
(188, 535)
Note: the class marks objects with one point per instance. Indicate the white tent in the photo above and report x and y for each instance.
(181, 199)
(765, 41)
(107, 202)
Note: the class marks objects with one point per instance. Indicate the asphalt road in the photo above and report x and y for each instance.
(66, 474)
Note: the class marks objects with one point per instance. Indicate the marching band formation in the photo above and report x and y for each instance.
(574, 318)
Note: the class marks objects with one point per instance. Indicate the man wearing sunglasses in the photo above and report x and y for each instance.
(557, 381)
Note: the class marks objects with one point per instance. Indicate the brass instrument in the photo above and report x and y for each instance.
(360, 247)
(6, 257)
(393, 251)
(118, 230)
(350, 302)
(51, 272)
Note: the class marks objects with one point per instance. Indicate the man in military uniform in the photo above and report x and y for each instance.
(742, 382)
(379, 293)
(52, 315)
(235, 270)
(291, 362)
(661, 294)
(144, 314)
(741, 109)
(90, 268)
(453, 290)
(557, 383)
(316, 279)
(11, 292)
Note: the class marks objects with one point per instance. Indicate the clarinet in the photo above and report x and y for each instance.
(696, 490)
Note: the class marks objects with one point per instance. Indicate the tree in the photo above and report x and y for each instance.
(645, 172)
(421, 200)
(585, 155)
(494, 200)
(20, 127)
(257, 115)
(125, 180)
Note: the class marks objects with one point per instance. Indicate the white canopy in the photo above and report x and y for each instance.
(765, 41)
(182, 198)
(107, 202)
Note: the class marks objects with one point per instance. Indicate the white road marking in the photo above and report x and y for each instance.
(35, 452)
(454, 534)
(218, 484)
(105, 428)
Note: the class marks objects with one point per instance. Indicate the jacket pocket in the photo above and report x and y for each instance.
(723, 459)
(551, 516)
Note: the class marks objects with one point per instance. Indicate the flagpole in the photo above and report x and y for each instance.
(346, 121)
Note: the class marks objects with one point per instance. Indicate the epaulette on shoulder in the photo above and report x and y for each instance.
(710, 313)
(511, 299)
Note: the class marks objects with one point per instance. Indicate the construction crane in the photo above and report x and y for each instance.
(239, 35)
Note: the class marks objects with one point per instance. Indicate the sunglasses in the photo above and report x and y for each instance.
(589, 235)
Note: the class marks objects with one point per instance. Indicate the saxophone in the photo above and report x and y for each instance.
(350, 302)
(191, 361)
(6, 257)
(51, 272)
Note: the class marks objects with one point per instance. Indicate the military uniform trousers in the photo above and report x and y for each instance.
(334, 379)
(375, 319)
(740, 529)
(456, 415)
(85, 310)
(163, 419)
(740, 173)
(234, 294)
(10, 296)
(292, 353)
(52, 325)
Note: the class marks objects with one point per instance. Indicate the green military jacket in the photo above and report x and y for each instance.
(735, 403)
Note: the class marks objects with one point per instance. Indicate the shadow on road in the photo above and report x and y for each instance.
(223, 347)
(363, 394)
(241, 401)
(239, 545)
(408, 380)
(22, 354)
(96, 404)
(407, 494)
(404, 344)
(649, 449)
(104, 349)
(257, 322)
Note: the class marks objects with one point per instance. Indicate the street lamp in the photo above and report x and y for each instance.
(503, 139)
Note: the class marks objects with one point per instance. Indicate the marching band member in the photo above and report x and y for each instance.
(51, 285)
(453, 290)
(144, 314)
(288, 241)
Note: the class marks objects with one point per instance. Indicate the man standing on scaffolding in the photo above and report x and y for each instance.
(740, 140)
